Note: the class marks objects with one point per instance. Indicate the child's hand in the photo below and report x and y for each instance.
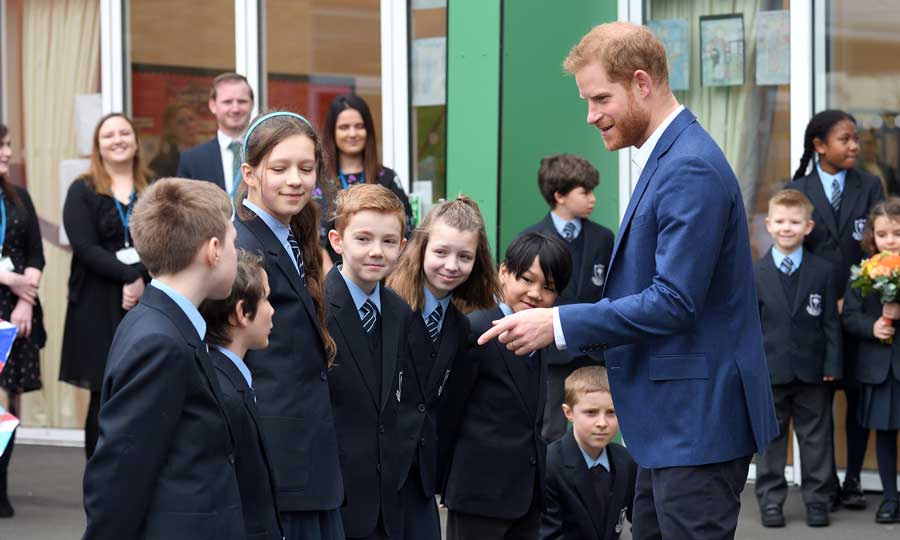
(891, 311)
(840, 304)
(883, 329)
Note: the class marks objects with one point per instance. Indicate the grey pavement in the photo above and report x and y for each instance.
(45, 489)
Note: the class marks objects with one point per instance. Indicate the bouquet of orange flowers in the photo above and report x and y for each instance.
(879, 274)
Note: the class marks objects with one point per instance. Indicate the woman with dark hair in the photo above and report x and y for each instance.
(107, 278)
(350, 145)
(21, 265)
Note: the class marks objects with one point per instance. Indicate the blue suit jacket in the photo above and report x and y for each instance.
(203, 162)
(679, 323)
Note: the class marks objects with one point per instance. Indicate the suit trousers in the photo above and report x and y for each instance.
(421, 520)
(699, 502)
(809, 405)
(470, 527)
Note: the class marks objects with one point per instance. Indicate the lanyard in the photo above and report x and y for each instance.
(124, 216)
(2, 221)
(362, 179)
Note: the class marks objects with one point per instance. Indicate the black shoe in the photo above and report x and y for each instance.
(817, 515)
(834, 502)
(772, 516)
(887, 511)
(6, 509)
(852, 495)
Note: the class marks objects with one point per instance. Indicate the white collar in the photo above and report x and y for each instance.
(642, 155)
(225, 140)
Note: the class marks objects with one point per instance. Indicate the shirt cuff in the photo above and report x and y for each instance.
(557, 331)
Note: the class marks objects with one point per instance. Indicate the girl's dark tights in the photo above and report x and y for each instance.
(886, 451)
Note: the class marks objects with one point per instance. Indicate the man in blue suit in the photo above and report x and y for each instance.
(679, 322)
(219, 160)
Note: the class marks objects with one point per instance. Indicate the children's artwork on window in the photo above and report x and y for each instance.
(722, 50)
(674, 34)
(773, 48)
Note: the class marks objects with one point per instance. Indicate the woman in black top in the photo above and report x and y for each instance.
(351, 148)
(106, 278)
(21, 264)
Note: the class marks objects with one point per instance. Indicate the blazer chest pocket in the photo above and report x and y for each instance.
(639, 220)
(673, 367)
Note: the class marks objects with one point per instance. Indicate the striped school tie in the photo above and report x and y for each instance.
(569, 232)
(433, 320)
(298, 257)
(836, 195)
(787, 266)
(370, 315)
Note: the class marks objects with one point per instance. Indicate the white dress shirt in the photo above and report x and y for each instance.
(227, 159)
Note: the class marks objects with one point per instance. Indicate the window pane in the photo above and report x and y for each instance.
(169, 87)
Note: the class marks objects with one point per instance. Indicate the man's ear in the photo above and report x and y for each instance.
(334, 238)
(642, 82)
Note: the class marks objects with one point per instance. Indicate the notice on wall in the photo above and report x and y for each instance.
(773, 47)
(429, 71)
(722, 50)
(674, 35)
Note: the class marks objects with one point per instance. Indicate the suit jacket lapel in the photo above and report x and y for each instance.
(516, 367)
(215, 160)
(821, 202)
(771, 278)
(682, 121)
(851, 195)
(390, 343)
(578, 473)
(350, 326)
(620, 487)
(804, 284)
(447, 350)
(418, 342)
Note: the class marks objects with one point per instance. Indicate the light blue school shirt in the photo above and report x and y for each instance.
(431, 302)
(602, 459)
(828, 179)
(795, 256)
(238, 363)
(279, 229)
(359, 296)
(186, 306)
(560, 224)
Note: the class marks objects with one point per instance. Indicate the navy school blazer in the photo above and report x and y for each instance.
(876, 360)
(497, 464)
(164, 467)
(425, 375)
(366, 418)
(571, 498)
(290, 378)
(203, 162)
(256, 480)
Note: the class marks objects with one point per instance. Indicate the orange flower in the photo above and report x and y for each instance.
(890, 260)
(879, 271)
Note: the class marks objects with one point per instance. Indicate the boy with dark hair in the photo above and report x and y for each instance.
(802, 340)
(567, 183)
(235, 325)
(164, 462)
(590, 479)
(495, 480)
(370, 324)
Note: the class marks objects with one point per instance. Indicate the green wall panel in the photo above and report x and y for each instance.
(541, 113)
(473, 104)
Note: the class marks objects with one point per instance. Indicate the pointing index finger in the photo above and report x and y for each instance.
(500, 326)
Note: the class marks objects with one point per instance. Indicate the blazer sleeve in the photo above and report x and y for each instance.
(856, 320)
(144, 398)
(834, 350)
(551, 518)
(35, 248)
(692, 209)
(79, 222)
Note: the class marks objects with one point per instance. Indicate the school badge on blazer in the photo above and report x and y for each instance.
(814, 307)
(599, 271)
(858, 226)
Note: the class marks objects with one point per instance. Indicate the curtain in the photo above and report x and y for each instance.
(739, 118)
(60, 59)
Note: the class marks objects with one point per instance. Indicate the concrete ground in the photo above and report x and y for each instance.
(45, 489)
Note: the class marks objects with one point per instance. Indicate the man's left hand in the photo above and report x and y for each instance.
(523, 332)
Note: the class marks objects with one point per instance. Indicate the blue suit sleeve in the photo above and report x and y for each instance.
(692, 208)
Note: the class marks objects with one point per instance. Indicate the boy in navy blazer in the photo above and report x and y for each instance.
(164, 463)
(590, 480)
(495, 480)
(802, 340)
(567, 183)
(370, 324)
(235, 325)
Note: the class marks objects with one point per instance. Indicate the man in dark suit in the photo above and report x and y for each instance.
(679, 325)
(219, 160)
(590, 480)
(164, 437)
(567, 183)
(802, 340)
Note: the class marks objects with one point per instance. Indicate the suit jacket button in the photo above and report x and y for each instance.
(381, 428)
(323, 376)
(534, 461)
(433, 354)
(231, 458)
(422, 442)
(421, 407)
(378, 467)
(604, 346)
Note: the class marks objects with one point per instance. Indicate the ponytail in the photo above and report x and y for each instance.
(818, 128)
(804, 161)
